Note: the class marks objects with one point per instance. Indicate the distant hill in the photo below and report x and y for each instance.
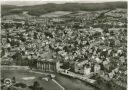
(38, 10)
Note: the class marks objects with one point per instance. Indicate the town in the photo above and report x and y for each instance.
(85, 45)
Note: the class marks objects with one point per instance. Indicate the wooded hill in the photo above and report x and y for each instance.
(38, 10)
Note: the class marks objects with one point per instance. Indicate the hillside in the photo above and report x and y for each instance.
(38, 10)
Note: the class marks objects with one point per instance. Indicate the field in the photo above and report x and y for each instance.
(21, 75)
(56, 14)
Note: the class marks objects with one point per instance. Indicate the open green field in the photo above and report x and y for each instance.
(47, 85)
(56, 14)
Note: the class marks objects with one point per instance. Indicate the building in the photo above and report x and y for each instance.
(87, 70)
(46, 65)
(57, 20)
(106, 65)
(97, 30)
(58, 64)
(97, 68)
(80, 66)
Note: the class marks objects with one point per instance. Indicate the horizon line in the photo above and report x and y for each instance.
(40, 2)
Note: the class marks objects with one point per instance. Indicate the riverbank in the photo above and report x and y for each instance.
(13, 67)
(48, 74)
(80, 77)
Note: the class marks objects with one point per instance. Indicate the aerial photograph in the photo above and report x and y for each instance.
(63, 45)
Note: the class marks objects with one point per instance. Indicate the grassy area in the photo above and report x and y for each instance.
(56, 14)
(47, 85)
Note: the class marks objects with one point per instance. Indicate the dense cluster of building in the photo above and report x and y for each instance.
(87, 42)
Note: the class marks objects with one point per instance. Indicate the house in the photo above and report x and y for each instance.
(3, 41)
(113, 30)
(98, 60)
(106, 65)
(57, 20)
(58, 64)
(87, 70)
(97, 68)
(97, 30)
(80, 67)
(111, 75)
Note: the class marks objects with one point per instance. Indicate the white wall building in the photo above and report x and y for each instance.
(87, 70)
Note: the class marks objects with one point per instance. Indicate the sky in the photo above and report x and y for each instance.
(36, 2)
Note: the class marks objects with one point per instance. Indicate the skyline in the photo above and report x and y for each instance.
(38, 2)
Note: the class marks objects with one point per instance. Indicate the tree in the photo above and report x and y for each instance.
(36, 86)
